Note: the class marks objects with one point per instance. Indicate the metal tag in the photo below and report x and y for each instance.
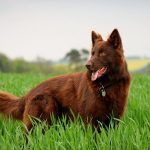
(103, 92)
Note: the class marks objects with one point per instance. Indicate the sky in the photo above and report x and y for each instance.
(50, 28)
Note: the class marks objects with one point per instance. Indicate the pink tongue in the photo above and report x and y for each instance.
(98, 73)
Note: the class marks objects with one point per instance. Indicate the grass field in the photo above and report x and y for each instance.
(133, 132)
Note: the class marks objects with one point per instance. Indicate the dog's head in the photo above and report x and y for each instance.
(106, 56)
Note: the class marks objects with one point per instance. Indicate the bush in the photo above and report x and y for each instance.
(5, 63)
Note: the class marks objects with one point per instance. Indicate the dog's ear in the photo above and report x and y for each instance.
(95, 37)
(115, 39)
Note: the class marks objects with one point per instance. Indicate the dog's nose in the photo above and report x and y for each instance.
(88, 65)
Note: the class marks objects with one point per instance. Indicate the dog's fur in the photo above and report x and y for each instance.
(76, 92)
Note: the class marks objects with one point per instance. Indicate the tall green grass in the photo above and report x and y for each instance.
(133, 132)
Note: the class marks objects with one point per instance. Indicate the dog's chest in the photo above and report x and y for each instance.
(96, 106)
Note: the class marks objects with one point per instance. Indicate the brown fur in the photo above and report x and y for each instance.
(76, 91)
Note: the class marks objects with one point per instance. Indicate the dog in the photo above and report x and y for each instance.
(94, 95)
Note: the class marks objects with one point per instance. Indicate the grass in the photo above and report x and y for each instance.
(133, 131)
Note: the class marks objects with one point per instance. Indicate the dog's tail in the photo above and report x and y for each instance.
(11, 105)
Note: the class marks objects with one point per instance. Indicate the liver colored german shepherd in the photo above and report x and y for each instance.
(94, 95)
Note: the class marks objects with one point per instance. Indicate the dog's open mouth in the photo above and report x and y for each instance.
(98, 73)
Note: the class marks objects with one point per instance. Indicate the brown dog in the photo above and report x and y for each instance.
(94, 94)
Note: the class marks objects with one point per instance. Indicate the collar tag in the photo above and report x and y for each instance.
(102, 90)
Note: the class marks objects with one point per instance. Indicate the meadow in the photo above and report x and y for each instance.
(133, 132)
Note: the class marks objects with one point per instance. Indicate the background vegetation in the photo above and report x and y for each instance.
(73, 61)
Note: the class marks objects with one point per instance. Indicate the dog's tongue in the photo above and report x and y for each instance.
(98, 73)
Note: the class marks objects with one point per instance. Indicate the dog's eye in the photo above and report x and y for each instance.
(102, 54)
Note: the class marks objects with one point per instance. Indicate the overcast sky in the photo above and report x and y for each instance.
(50, 28)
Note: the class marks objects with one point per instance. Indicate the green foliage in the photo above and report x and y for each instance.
(73, 56)
(133, 131)
(5, 63)
(19, 65)
(77, 59)
(77, 56)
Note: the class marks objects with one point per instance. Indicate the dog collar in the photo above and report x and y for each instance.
(102, 88)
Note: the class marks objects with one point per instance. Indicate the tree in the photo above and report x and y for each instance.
(5, 63)
(73, 56)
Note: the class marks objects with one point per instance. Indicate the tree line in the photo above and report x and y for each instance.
(73, 60)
